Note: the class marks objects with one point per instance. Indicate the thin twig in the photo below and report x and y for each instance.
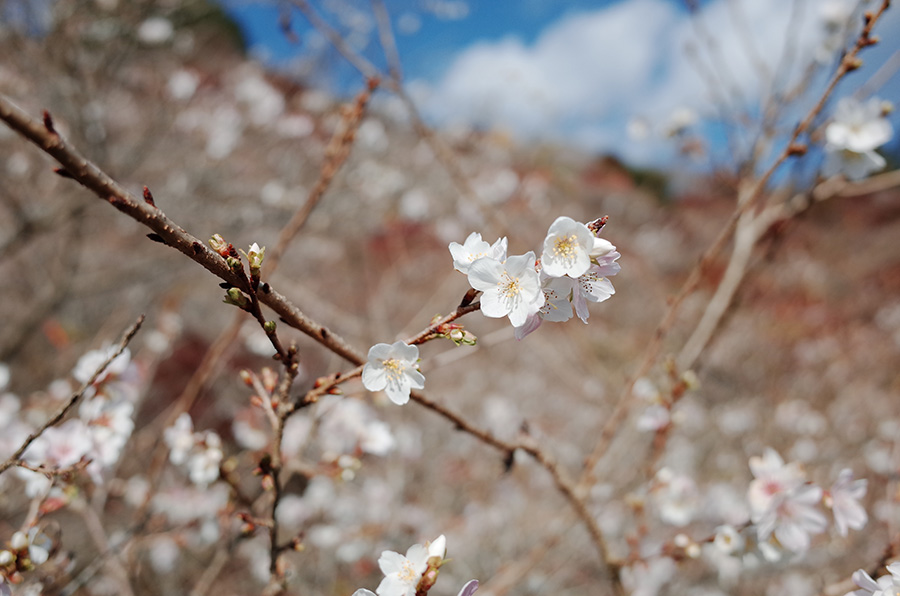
(73, 399)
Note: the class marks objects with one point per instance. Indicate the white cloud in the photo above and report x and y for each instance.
(587, 74)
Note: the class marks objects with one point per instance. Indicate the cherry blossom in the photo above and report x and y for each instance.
(567, 248)
(886, 585)
(852, 137)
(475, 248)
(843, 498)
(793, 517)
(402, 573)
(393, 369)
(511, 288)
(772, 479)
(180, 439)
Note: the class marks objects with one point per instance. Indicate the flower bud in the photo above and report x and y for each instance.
(218, 244)
(235, 297)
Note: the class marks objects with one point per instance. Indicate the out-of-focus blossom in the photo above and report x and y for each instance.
(88, 364)
(648, 578)
(793, 517)
(728, 540)
(853, 135)
(772, 479)
(475, 248)
(183, 84)
(512, 288)
(155, 31)
(180, 439)
(676, 497)
(203, 465)
(393, 369)
(350, 424)
(843, 498)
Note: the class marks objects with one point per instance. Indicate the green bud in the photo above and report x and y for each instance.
(236, 297)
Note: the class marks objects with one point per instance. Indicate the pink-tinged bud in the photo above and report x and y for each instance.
(247, 377)
(218, 244)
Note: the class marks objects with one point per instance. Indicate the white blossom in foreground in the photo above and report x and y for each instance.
(512, 288)
(852, 137)
(887, 585)
(468, 589)
(858, 126)
(843, 498)
(403, 573)
(392, 368)
(567, 248)
(475, 248)
(180, 439)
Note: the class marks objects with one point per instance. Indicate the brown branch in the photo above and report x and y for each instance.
(89, 175)
(73, 399)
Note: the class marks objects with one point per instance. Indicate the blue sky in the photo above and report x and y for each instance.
(579, 71)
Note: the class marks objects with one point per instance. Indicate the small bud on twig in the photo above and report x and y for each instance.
(48, 123)
(148, 197)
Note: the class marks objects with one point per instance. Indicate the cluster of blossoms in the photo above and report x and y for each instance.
(413, 573)
(853, 135)
(784, 508)
(573, 270)
(200, 452)
(99, 432)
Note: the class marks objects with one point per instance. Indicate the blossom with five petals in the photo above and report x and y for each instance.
(511, 288)
(567, 248)
(393, 368)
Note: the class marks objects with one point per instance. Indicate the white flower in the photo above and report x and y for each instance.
(857, 126)
(203, 465)
(885, 586)
(594, 286)
(180, 439)
(510, 289)
(855, 166)
(676, 498)
(843, 498)
(728, 540)
(557, 304)
(772, 479)
(567, 248)
(852, 137)
(402, 573)
(793, 517)
(89, 363)
(392, 368)
(475, 248)
(155, 31)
